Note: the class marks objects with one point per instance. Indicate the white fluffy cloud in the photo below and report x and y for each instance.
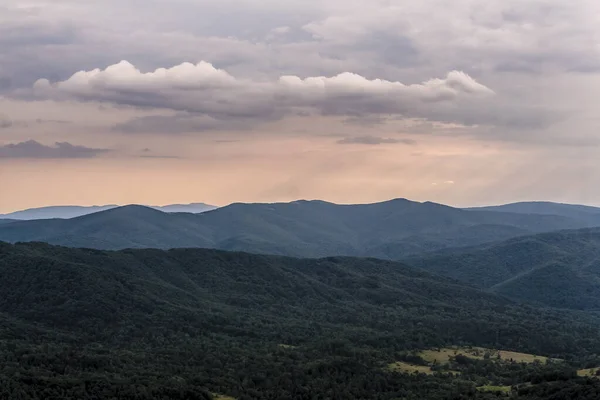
(202, 88)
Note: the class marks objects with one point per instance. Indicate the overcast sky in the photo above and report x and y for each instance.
(464, 102)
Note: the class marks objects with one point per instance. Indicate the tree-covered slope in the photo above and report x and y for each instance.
(391, 230)
(558, 269)
(145, 324)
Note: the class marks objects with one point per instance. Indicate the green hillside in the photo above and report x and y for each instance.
(189, 323)
(558, 269)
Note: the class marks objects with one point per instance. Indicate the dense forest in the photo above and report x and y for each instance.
(557, 269)
(201, 324)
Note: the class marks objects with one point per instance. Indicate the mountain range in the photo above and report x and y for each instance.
(66, 212)
(191, 323)
(389, 230)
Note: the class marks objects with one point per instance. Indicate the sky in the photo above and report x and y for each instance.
(220, 101)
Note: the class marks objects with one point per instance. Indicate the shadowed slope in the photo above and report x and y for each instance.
(389, 230)
(559, 269)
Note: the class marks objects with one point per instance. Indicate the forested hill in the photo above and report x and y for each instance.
(185, 323)
(391, 230)
(588, 214)
(559, 269)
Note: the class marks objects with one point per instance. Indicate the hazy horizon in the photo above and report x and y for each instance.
(2, 212)
(342, 101)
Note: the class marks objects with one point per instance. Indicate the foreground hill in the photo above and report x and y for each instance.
(559, 269)
(180, 324)
(389, 230)
(66, 212)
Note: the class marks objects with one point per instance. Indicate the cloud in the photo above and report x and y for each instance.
(218, 96)
(6, 123)
(530, 35)
(443, 183)
(160, 157)
(366, 121)
(374, 140)
(280, 30)
(52, 121)
(180, 123)
(33, 149)
(148, 153)
(521, 49)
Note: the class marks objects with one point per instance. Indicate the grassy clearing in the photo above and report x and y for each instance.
(522, 357)
(222, 397)
(588, 372)
(442, 356)
(495, 389)
(286, 346)
(409, 368)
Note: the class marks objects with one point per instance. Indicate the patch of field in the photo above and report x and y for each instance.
(409, 368)
(521, 357)
(491, 388)
(222, 397)
(588, 372)
(442, 356)
(286, 346)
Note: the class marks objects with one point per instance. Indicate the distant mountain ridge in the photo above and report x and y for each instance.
(66, 212)
(390, 230)
(577, 211)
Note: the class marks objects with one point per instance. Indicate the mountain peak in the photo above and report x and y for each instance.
(130, 210)
(133, 208)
